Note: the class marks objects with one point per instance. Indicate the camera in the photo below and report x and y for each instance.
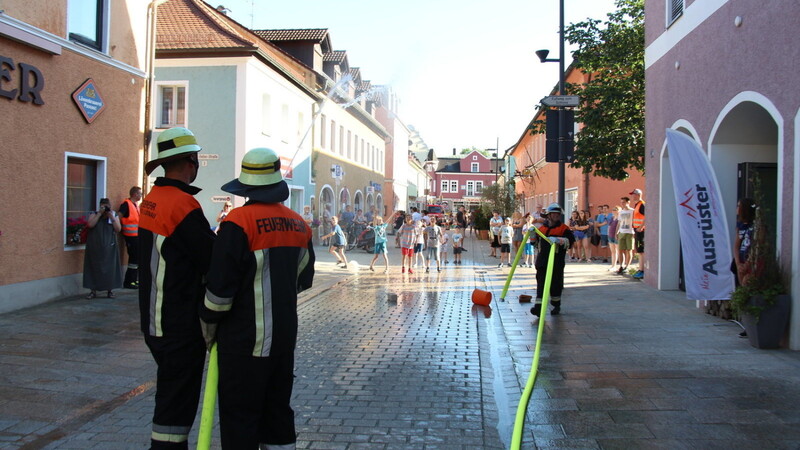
(106, 208)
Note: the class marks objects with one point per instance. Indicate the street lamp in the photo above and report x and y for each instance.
(562, 122)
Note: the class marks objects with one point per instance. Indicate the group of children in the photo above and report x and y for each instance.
(415, 236)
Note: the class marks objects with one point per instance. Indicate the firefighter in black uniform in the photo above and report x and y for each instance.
(559, 234)
(175, 241)
(262, 258)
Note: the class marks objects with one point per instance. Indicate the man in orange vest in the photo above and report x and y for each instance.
(129, 216)
(262, 258)
(175, 241)
(638, 229)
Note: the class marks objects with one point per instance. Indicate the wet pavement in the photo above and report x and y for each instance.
(406, 361)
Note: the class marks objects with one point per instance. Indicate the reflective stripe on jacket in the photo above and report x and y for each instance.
(262, 258)
(175, 242)
(638, 215)
(130, 224)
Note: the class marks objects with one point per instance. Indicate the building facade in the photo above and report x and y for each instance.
(459, 180)
(714, 72)
(536, 180)
(72, 82)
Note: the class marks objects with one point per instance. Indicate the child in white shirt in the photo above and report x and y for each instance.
(506, 235)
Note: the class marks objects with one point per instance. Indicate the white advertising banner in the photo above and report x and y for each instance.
(701, 218)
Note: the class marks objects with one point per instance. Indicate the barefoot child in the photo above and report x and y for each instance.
(379, 228)
(457, 242)
(407, 235)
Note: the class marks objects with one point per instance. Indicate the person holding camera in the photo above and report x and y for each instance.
(101, 267)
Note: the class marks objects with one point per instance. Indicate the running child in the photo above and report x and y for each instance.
(407, 236)
(379, 228)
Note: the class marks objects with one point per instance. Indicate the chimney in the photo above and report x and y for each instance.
(223, 9)
(454, 151)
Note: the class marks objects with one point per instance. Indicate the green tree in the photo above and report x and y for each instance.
(612, 102)
(500, 197)
(466, 151)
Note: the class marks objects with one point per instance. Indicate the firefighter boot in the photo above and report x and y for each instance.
(537, 309)
(556, 306)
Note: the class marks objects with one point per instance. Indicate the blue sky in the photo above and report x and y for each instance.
(465, 71)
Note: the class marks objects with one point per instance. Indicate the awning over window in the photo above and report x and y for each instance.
(412, 190)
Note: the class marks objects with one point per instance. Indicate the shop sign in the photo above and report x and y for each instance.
(89, 100)
(31, 82)
(221, 198)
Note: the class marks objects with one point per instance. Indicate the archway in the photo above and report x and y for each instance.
(344, 200)
(748, 137)
(379, 205)
(326, 209)
(358, 202)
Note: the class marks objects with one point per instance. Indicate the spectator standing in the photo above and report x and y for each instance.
(458, 242)
(129, 219)
(415, 215)
(575, 251)
(262, 258)
(494, 226)
(586, 216)
(559, 234)
(347, 217)
(529, 243)
(461, 218)
(379, 228)
(175, 241)
(745, 217)
(226, 208)
(601, 229)
(638, 229)
(516, 224)
(419, 243)
(308, 217)
(625, 235)
(613, 225)
(506, 237)
(444, 248)
(101, 267)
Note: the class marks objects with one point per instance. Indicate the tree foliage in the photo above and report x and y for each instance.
(612, 101)
(466, 151)
(500, 197)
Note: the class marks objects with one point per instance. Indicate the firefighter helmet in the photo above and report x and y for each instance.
(554, 208)
(172, 144)
(260, 178)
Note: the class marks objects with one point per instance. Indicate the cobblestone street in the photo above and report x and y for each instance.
(624, 366)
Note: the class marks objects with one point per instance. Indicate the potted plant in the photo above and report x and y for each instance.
(762, 299)
(481, 223)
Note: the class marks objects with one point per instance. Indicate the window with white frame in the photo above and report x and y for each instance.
(266, 115)
(285, 123)
(453, 186)
(470, 188)
(478, 187)
(84, 186)
(172, 105)
(474, 167)
(87, 23)
(674, 10)
(333, 136)
(349, 144)
(322, 123)
(341, 140)
(445, 186)
(300, 127)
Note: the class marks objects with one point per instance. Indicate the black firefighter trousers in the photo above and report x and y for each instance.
(556, 284)
(254, 396)
(178, 382)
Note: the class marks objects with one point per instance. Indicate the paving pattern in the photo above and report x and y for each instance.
(397, 361)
